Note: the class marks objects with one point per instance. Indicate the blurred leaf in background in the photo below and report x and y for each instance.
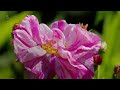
(7, 24)
(110, 34)
(8, 67)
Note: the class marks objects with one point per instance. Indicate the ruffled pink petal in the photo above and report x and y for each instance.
(48, 68)
(85, 55)
(46, 33)
(61, 24)
(18, 45)
(93, 39)
(76, 36)
(24, 37)
(71, 35)
(74, 63)
(35, 68)
(88, 62)
(67, 55)
(30, 54)
(88, 38)
(59, 38)
(32, 26)
(82, 50)
(40, 68)
(65, 70)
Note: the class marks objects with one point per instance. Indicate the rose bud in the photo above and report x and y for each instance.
(97, 59)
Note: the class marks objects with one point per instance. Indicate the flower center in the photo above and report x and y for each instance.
(49, 49)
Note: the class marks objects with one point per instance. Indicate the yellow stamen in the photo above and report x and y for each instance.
(49, 49)
(81, 25)
(86, 26)
(44, 46)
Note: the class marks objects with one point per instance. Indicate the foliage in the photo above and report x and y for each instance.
(111, 32)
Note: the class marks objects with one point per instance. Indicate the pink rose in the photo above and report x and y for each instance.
(62, 49)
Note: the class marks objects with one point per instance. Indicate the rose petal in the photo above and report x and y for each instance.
(61, 24)
(71, 35)
(35, 69)
(46, 33)
(76, 36)
(24, 37)
(58, 37)
(30, 54)
(67, 55)
(32, 26)
(18, 45)
(65, 70)
(40, 67)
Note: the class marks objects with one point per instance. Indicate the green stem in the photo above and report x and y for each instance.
(98, 73)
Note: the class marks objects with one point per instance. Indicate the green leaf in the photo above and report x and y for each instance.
(111, 32)
(6, 26)
(100, 15)
(5, 15)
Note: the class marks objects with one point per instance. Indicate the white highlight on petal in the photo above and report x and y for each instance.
(37, 51)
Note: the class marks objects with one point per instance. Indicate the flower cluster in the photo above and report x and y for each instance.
(61, 49)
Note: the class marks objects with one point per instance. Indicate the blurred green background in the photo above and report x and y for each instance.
(105, 23)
